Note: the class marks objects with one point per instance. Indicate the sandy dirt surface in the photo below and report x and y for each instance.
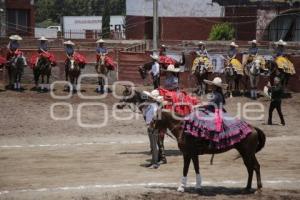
(42, 158)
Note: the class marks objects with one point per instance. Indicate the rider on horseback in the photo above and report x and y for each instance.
(201, 50)
(101, 50)
(71, 54)
(13, 48)
(163, 50)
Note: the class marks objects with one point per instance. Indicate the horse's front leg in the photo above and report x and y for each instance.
(187, 160)
(195, 159)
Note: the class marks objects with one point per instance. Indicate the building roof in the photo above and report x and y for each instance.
(257, 2)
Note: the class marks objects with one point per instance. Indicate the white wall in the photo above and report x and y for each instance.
(174, 8)
(77, 25)
(48, 33)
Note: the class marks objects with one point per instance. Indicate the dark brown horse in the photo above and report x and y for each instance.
(191, 147)
(43, 68)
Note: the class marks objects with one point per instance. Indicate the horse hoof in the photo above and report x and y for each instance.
(180, 189)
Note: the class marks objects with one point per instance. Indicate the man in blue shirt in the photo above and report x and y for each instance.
(280, 48)
(69, 48)
(100, 47)
(253, 50)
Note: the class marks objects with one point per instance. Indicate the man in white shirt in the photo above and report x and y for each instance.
(155, 71)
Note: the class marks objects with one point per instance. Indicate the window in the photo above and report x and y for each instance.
(17, 20)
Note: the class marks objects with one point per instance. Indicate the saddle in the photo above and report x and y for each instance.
(285, 64)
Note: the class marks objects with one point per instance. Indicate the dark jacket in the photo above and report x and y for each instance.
(276, 93)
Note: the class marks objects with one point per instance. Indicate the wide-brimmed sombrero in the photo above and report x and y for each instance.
(233, 44)
(15, 37)
(100, 41)
(201, 43)
(43, 38)
(253, 42)
(280, 42)
(154, 95)
(172, 68)
(217, 81)
(154, 57)
(69, 42)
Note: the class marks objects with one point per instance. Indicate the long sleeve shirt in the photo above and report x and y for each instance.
(150, 112)
(171, 83)
(155, 69)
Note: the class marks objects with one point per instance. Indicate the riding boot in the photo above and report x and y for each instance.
(102, 89)
(182, 185)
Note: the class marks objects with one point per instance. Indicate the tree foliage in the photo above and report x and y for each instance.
(223, 31)
(53, 10)
(106, 20)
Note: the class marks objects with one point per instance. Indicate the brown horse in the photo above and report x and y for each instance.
(102, 71)
(191, 147)
(73, 72)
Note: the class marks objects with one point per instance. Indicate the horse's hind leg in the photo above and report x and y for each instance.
(257, 171)
(187, 160)
(195, 159)
(249, 163)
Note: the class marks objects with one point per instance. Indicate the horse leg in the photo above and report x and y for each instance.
(195, 159)
(161, 147)
(42, 84)
(36, 78)
(183, 182)
(249, 163)
(257, 171)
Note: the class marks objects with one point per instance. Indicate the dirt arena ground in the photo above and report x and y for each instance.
(42, 158)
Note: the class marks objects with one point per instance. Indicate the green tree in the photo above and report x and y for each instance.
(106, 20)
(223, 31)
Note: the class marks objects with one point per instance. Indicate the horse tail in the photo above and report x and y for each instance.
(261, 139)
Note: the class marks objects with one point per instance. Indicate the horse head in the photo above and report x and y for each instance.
(229, 70)
(255, 67)
(130, 96)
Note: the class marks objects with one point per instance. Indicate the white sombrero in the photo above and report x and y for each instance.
(163, 46)
(15, 37)
(217, 82)
(69, 42)
(100, 41)
(201, 43)
(43, 38)
(233, 44)
(154, 94)
(253, 42)
(172, 68)
(154, 57)
(280, 42)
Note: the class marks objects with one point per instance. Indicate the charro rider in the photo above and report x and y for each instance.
(13, 52)
(231, 58)
(202, 56)
(70, 52)
(201, 50)
(281, 58)
(212, 123)
(101, 50)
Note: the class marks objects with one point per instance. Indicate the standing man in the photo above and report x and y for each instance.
(150, 114)
(155, 71)
(276, 93)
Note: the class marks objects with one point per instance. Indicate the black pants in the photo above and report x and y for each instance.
(275, 105)
(156, 81)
